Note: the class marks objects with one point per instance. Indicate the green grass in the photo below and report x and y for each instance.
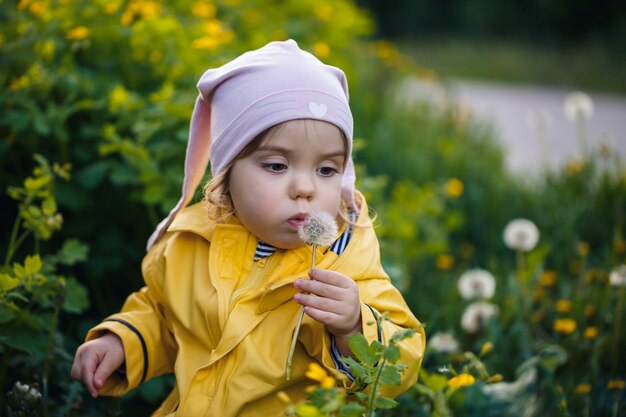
(589, 67)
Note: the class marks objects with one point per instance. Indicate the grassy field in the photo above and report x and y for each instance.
(588, 67)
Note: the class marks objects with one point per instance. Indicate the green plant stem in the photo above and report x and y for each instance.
(294, 339)
(372, 398)
(618, 324)
(46, 367)
(12, 248)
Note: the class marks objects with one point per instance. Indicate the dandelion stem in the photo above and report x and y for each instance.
(12, 244)
(296, 331)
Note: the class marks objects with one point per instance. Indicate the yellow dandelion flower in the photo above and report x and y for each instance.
(583, 249)
(565, 326)
(37, 8)
(461, 380)
(203, 10)
(582, 389)
(444, 262)
(206, 42)
(321, 49)
(212, 27)
(112, 7)
(563, 306)
(23, 4)
(282, 395)
(616, 384)
(323, 11)
(454, 187)
(78, 33)
(590, 332)
(547, 278)
(575, 166)
(148, 9)
(226, 36)
(316, 372)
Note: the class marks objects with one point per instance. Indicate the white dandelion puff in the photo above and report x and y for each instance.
(477, 283)
(521, 234)
(476, 315)
(319, 228)
(443, 342)
(578, 105)
(618, 276)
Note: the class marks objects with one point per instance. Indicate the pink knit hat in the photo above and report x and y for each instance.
(260, 89)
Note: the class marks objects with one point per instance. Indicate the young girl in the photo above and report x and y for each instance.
(224, 286)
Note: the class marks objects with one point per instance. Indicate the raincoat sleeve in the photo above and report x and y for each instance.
(149, 346)
(378, 296)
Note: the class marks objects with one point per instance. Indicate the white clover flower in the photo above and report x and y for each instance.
(443, 342)
(521, 234)
(577, 105)
(319, 228)
(618, 276)
(476, 314)
(477, 283)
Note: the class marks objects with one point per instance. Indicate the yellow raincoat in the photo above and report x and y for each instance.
(223, 323)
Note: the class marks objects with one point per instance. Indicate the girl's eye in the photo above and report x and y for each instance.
(328, 171)
(275, 167)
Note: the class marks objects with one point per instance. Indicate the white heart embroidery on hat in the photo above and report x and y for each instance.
(318, 109)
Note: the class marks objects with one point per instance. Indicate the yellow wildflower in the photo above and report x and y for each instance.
(78, 33)
(37, 8)
(461, 380)
(547, 278)
(321, 49)
(203, 10)
(563, 306)
(454, 187)
(495, 378)
(444, 262)
(23, 4)
(112, 7)
(328, 382)
(591, 332)
(307, 410)
(118, 97)
(486, 348)
(616, 384)
(212, 27)
(323, 11)
(316, 372)
(582, 389)
(619, 246)
(575, 166)
(583, 249)
(565, 326)
(206, 42)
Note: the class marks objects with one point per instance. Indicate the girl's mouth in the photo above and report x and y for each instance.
(297, 220)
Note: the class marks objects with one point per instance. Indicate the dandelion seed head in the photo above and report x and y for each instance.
(618, 276)
(443, 342)
(477, 283)
(319, 228)
(476, 314)
(521, 234)
(578, 105)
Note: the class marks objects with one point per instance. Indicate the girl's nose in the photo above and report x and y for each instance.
(302, 186)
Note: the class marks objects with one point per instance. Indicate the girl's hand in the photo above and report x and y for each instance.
(333, 301)
(96, 360)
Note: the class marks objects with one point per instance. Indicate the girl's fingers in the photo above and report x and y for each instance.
(320, 289)
(332, 278)
(325, 317)
(319, 303)
(104, 370)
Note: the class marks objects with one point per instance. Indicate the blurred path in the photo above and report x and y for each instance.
(508, 109)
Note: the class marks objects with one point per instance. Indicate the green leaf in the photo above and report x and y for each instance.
(358, 370)
(24, 338)
(401, 335)
(76, 298)
(392, 354)
(390, 376)
(7, 311)
(73, 251)
(49, 206)
(93, 175)
(434, 381)
(351, 410)
(385, 402)
(7, 282)
(365, 353)
(32, 264)
(361, 396)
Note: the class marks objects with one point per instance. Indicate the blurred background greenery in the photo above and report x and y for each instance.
(96, 101)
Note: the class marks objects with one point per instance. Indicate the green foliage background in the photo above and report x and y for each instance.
(108, 87)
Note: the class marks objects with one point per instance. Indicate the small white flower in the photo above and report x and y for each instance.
(521, 234)
(477, 283)
(578, 105)
(618, 276)
(443, 342)
(319, 228)
(476, 314)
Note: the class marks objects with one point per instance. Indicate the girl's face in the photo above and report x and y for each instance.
(296, 169)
